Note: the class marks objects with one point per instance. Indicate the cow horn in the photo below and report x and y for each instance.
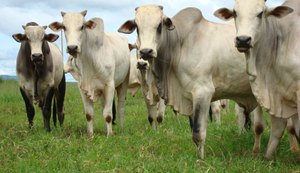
(45, 27)
(84, 12)
(136, 8)
(62, 13)
(23, 26)
(161, 7)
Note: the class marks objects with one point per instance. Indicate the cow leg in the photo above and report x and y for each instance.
(89, 113)
(29, 108)
(239, 112)
(215, 110)
(107, 108)
(161, 110)
(292, 124)
(277, 129)
(60, 100)
(258, 128)
(201, 104)
(121, 91)
(47, 109)
(54, 112)
(114, 112)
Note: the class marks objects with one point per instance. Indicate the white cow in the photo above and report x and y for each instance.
(40, 73)
(192, 60)
(271, 46)
(103, 61)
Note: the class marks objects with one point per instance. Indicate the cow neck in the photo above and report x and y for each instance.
(165, 55)
(260, 58)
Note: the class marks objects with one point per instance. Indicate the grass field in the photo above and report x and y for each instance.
(136, 148)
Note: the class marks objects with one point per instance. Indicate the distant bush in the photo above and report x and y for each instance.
(1, 80)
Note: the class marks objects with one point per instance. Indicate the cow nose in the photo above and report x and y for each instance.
(72, 48)
(243, 40)
(141, 65)
(37, 57)
(146, 52)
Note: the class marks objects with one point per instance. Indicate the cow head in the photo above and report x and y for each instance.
(150, 23)
(74, 25)
(36, 38)
(249, 16)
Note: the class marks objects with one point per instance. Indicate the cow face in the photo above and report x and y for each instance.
(249, 16)
(74, 26)
(37, 39)
(150, 23)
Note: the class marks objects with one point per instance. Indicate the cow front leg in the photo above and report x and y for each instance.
(107, 111)
(277, 129)
(47, 109)
(161, 110)
(29, 108)
(201, 106)
(258, 128)
(89, 113)
(292, 125)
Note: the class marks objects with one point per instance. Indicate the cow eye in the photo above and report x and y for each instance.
(260, 15)
(159, 28)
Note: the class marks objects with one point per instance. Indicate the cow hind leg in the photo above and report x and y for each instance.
(29, 108)
(114, 112)
(277, 129)
(60, 100)
(47, 109)
(121, 92)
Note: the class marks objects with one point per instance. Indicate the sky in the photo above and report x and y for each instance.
(15, 13)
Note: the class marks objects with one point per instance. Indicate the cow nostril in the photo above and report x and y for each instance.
(146, 51)
(72, 48)
(243, 40)
(37, 57)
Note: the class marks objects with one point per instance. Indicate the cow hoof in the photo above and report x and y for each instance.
(159, 119)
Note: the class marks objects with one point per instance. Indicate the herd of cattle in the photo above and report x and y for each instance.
(185, 62)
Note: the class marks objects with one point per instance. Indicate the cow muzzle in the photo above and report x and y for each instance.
(142, 65)
(73, 50)
(146, 53)
(243, 43)
(37, 58)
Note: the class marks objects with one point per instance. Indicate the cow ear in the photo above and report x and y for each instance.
(19, 37)
(128, 27)
(51, 37)
(168, 22)
(90, 24)
(224, 14)
(279, 11)
(56, 26)
(132, 46)
(84, 13)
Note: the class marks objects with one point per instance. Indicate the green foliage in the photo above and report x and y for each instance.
(136, 148)
(1, 80)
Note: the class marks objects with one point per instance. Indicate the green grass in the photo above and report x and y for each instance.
(136, 148)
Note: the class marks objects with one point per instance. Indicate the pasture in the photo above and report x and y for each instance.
(136, 148)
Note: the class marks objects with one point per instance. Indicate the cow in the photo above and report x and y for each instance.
(192, 61)
(141, 76)
(40, 73)
(271, 48)
(103, 61)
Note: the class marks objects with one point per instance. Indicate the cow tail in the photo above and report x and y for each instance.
(114, 112)
(54, 112)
